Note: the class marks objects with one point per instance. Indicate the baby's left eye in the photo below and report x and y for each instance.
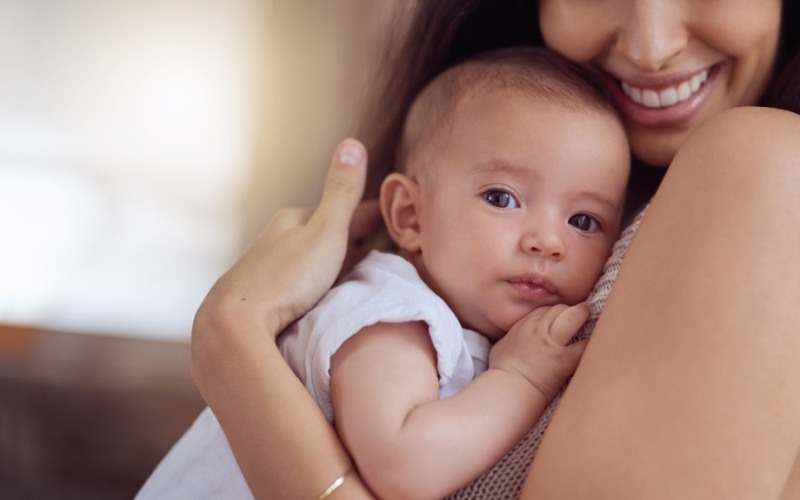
(584, 222)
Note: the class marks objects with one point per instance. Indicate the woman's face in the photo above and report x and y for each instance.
(669, 63)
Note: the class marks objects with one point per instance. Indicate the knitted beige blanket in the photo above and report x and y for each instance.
(504, 480)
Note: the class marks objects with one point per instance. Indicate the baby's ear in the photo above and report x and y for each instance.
(400, 209)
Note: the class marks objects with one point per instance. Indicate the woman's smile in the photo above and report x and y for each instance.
(668, 96)
(664, 101)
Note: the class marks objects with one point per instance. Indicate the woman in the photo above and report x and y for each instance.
(689, 387)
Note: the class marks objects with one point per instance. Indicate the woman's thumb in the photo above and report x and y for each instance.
(344, 185)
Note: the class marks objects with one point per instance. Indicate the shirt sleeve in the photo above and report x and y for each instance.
(381, 289)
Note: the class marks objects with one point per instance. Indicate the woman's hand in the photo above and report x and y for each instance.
(298, 256)
(257, 399)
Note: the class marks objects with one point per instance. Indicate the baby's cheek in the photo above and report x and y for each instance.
(587, 276)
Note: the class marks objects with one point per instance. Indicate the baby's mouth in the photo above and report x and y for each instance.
(665, 97)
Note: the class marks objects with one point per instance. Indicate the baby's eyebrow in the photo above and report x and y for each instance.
(599, 198)
(501, 165)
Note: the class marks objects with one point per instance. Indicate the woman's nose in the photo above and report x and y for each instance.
(545, 241)
(653, 34)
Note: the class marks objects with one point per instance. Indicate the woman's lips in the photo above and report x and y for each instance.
(667, 96)
(664, 104)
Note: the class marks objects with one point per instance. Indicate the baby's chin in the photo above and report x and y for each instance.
(500, 326)
(499, 321)
(492, 330)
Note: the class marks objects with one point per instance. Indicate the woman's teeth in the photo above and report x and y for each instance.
(667, 96)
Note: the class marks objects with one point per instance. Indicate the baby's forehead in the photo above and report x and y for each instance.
(528, 138)
(432, 121)
(488, 115)
(533, 74)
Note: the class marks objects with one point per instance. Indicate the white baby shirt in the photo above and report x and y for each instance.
(381, 288)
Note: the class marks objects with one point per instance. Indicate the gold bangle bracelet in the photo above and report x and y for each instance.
(334, 485)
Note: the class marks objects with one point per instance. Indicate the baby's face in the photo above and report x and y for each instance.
(520, 205)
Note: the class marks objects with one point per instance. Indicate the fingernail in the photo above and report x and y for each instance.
(350, 155)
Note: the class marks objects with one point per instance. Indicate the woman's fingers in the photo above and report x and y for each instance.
(287, 219)
(344, 187)
(339, 213)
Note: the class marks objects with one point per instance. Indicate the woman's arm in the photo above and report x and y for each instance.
(690, 385)
(385, 392)
(282, 442)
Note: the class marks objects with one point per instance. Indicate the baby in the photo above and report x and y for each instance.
(434, 362)
(511, 178)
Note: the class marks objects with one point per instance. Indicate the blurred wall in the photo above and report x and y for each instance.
(143, 143)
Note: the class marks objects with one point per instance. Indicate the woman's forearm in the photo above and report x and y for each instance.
(281, 440)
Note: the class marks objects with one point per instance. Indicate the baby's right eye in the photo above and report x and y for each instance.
(500, 199)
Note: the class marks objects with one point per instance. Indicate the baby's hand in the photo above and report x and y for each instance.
(537, 347)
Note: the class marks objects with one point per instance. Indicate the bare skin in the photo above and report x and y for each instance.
(688, 388)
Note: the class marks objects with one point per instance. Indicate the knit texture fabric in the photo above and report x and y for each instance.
(505, 479)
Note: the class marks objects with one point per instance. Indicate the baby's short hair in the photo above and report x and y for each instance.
(533, 72)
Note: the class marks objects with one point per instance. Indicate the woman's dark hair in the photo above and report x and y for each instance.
(784, 91)
(441, 33)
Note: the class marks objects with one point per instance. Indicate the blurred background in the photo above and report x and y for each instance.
(143, 144)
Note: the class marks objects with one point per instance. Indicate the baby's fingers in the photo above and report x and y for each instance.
(567, 323)
(573, 354)
(576, 349)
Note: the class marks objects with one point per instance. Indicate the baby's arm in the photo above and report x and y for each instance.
(409, 444)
